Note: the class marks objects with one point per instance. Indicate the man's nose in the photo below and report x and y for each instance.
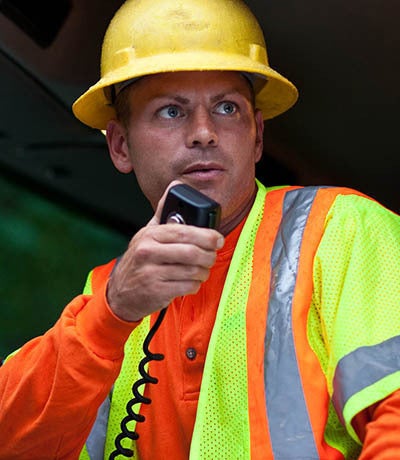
(202, 130)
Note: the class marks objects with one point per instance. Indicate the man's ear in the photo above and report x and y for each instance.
(116, 136)
(259, 136)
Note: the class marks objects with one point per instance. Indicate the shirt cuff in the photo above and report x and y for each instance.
(103, 332)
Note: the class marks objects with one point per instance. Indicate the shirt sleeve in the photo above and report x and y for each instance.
(52, 387)
(381, 440)
(354, 322)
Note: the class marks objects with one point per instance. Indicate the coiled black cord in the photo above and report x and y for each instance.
(138, 397)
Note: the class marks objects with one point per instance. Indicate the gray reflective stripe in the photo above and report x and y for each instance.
(362, 368)
(290, 428)
(96, 441)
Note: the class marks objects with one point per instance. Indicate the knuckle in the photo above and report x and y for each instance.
(181, 233)
(190, 253)
(142, 252)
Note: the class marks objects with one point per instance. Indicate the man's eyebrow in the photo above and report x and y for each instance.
(183, 100)
(177, 98)
(220, 96)
(226, 94)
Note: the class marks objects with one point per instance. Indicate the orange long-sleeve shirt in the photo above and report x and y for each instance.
(57, 381)
(51, 388)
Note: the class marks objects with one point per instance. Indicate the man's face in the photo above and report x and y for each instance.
(200, 128)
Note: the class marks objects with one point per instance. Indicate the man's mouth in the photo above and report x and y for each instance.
(203, 170)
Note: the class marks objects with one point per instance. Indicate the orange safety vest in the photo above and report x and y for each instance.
(291, 410)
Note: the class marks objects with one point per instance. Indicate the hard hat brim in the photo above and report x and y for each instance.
(276, 96)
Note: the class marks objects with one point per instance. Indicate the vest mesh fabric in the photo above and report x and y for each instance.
(122, 392)
(352, 306)
(222, 424)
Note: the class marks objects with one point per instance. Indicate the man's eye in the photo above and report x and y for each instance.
(171, 111)
(226, 108)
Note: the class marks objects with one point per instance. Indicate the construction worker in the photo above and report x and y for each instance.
(279, 329)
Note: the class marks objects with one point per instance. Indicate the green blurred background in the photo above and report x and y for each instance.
(46, 252)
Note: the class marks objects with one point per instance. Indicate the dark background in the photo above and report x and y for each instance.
(64, 209)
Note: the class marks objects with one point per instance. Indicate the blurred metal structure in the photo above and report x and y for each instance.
(343, 56)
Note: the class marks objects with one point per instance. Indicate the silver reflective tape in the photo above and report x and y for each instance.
(96, 441)
(362, 368)
(290, 428)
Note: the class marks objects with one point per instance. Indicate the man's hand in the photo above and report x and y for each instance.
(162, 262)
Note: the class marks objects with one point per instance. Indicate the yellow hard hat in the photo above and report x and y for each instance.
(154, 36)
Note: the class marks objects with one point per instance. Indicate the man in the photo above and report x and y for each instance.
(286, 316)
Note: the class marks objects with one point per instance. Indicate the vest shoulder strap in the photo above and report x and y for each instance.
(98, 276)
